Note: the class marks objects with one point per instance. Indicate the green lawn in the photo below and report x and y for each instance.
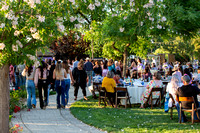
(130, 119)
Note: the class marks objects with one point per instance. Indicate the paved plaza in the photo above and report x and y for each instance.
(52, 120)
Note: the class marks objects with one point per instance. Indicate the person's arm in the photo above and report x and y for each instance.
(24, 72)
(54, 74)
(36, 77)
(177, 96)
(65, 73)
(72, 79)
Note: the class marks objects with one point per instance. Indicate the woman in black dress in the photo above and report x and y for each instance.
(80, 78)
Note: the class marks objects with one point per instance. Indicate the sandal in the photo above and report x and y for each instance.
(85, 98)
(75, 98)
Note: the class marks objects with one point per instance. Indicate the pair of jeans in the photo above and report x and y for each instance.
(42, 84)
(67, 87)
(89, 74)
(48, 91)
(30, 88)
(183, 117)
(60, 89)
(22, 80)
(16, 82)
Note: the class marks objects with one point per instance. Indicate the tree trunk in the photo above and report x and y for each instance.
(4, 99)
(125, 61)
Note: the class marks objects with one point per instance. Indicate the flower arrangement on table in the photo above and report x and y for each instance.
(16, 129)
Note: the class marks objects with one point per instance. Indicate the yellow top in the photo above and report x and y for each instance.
(109, 84)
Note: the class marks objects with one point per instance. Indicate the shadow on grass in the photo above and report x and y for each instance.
(130, 119)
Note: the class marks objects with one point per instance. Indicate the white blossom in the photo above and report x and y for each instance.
(5, 7)
(73, 2)
(41, 18)
(125, 18)
(163, 19)
(19, 43)
(2, 25)
(14, 22)
(2, 46)
(36, 35)
(141, 23)
(97, 3)
(15, 47)
(159, 26)
(16, 33)
(33, 30)
(152, 19)
(65, 34)
(91, 6)
(72, 19)
(38, 2)
(77, 37)
(77, 26)
(31, 57)
(51, 2)
(121, 29)
(31, 3)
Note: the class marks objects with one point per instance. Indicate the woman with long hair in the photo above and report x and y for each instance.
(105, 69)
(80, 78)
(59, 74)
(29, 72)
(40, 80)
(67, 80)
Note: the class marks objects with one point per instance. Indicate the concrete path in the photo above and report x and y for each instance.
(52, 120)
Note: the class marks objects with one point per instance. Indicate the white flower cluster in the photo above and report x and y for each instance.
(163, 19)
(16, 33)
(2, 46)
(41, 18)
(72, 19)
(15, 47)
(33, 30)
(72, 1)
(121, 29)
(77, 26)
(19, 43)
(149, 5)
(31, 57)
(114, 15)
(32, 3)
(51, 2)
(132, 3)
(97, 3)
(61, 27)
(159, 26)
(36, 36)
(4, 7)
(2, 25)
(91, 6)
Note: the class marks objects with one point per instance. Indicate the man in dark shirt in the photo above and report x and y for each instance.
(88, 68)
(187, 90)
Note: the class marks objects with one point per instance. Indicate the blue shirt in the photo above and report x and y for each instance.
(88, 66)
(75, 64)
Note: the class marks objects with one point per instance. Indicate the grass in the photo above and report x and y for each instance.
(130, 119)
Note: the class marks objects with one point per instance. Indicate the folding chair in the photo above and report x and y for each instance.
(173, 105)
(102, 95)
(96, 86)
(150, 97)
(126, 97)
(194, 108)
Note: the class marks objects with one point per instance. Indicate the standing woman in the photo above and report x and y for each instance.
(41, 83)
(30, 86)
(67, 80)
(59, 74)
(80, 77)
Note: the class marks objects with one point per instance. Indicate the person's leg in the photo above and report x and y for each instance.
(28, 89)
(33, 94)
(48, 91)
(16, 82)
(83, 90)
(183, 118)
(45, 87)
(89, 74)
(67, 91)
(40, 93)
(76, 87)
(63, 94)
(58, 88)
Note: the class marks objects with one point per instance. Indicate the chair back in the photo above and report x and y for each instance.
(186, 99)
(157, 89)
(96, 85)
(121, 89)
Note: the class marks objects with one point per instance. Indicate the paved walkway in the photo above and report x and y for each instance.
(52, 120)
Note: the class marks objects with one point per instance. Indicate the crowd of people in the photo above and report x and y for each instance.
(59, 75)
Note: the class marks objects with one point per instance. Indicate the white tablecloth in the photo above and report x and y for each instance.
(135, 92)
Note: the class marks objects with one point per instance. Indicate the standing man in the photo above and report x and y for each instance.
(75, 64)
(88, 68)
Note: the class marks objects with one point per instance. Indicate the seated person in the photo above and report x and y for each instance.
(187, 90)
(156, 82)
(147, 73)
(97, 79)
(172, 87)
(153, 67)
(117, 80)
(109, 84)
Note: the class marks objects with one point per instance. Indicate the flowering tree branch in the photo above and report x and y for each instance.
(79, 12)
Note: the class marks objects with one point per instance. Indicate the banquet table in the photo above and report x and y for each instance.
(136, 91)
